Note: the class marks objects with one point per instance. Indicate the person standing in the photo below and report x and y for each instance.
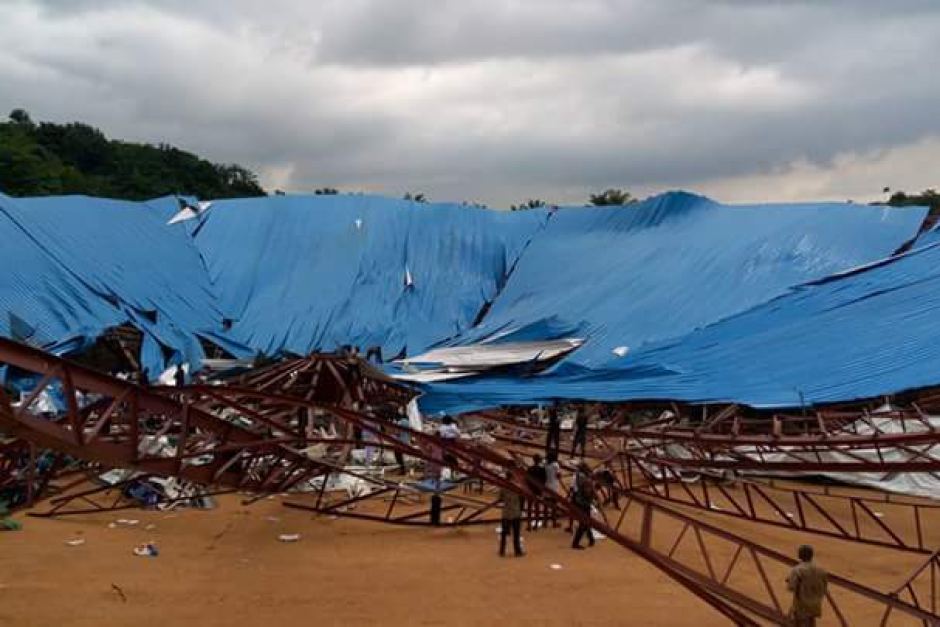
(404, 437)
(448, 429)
(535, 478)
(179, 377)
(553, 439)
(370, 438)
(511, 522)
(354, 376)
(552, 488)
(607, 487)
(583, 500)
(807, 582)
(451, 432)
(580, 433)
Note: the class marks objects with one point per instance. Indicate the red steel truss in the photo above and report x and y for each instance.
(876, 518)
(480, 462)
(780, 444)
(920, 587)
(293, 424)
(120, 425)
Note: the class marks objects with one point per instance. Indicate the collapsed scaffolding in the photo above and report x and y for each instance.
(292, 428)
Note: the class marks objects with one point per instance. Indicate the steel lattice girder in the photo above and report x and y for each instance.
(494, 468)
(117, 433)
(119, 430)
(874, 520)
(929, 571)
(757, 501)
(124, 422)
(25, 472)
(835, 445)
(124, 419)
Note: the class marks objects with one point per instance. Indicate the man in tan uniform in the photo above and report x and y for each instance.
(511, 522)
(807, 581)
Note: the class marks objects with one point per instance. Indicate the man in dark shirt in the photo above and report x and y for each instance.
(580, 433)
(354, 375)
(606, 484)
(553, 439)
(535, 477)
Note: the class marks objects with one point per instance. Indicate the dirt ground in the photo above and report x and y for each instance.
(226, 567)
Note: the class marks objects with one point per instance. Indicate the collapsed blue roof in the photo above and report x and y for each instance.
(300, 273)
(701, 301)
(856, 335)
(661, 268)
(96, 263)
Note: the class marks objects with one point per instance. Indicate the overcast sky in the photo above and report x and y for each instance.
(498, 101)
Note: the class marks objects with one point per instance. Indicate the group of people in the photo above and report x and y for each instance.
(553, 438)
(543, 478)
(375, 442)
(544, 481)
(142, 376)
(806, 580)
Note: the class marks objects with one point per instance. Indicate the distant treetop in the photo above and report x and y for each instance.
(531, 203)
(418, 197)
(612, 197)
(50, 159)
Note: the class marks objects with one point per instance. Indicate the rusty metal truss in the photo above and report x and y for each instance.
(875, 518)
(291, 428)
(920, 588)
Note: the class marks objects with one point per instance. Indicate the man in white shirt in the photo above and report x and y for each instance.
(553, 485)
(449, 431)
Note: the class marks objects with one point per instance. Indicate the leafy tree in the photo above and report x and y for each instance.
(238, 178)
(528, 204)
(76, 158)
(612, 196)
(21, 117)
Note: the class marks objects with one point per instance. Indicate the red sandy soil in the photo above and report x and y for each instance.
(225, 567)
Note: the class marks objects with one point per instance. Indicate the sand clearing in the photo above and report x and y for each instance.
(226, 567)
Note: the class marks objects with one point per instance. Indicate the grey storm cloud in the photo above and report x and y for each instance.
(492, 101)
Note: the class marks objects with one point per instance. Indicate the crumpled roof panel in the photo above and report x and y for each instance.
(300, 273)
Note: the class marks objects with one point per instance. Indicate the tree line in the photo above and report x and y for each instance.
(50, 159)
(927, 198)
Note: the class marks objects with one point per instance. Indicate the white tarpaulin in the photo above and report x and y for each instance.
(456, 362)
